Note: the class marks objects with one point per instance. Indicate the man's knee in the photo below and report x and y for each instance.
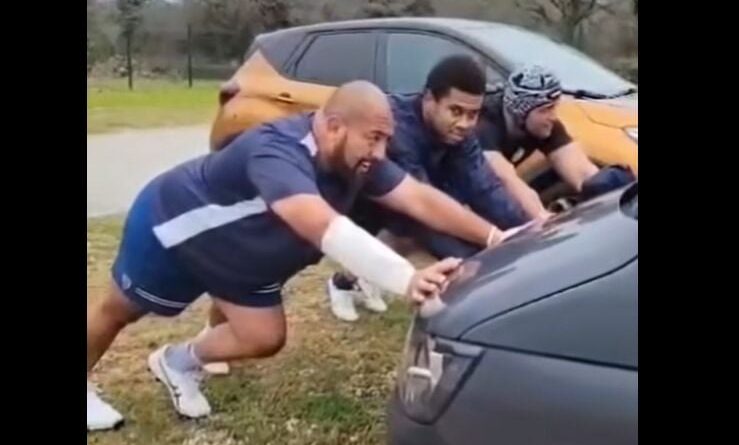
(262, 335)
(269, 346)
(261, 344)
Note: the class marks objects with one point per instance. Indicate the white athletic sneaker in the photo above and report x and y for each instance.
(215, 368)
(183, 387)
(371, 296)
(342, 302)
(100, 415)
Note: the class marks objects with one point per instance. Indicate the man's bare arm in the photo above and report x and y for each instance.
(313, 219)
(572, 165)
(517, 187)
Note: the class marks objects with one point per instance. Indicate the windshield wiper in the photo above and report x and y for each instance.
(579, 94)
(626, 92)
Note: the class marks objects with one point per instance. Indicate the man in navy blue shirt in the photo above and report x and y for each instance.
(238, 223)
(435, 141)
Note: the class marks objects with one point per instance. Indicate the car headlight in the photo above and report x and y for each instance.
(633, 133)
(432, 371)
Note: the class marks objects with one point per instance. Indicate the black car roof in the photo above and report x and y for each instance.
(430, 23)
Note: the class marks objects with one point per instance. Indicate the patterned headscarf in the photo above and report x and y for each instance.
(528, 88)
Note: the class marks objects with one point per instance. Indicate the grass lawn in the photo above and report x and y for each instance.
(111, 106)
(328, 386)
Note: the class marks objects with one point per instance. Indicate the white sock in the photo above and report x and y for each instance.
(182, 357)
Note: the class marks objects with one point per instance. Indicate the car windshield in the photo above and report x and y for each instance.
(576, 70)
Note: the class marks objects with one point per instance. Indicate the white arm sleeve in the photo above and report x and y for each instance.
(365, 256)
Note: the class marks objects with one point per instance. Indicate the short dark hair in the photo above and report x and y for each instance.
(459, 71)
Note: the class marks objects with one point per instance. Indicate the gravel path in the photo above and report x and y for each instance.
(119, 164)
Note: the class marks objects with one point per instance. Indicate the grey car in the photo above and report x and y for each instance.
(537, 342)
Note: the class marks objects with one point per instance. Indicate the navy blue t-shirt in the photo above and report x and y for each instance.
(213, 211)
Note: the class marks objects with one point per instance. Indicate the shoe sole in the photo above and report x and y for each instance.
(363, 301)
(223, 369)
(348, 320)
(375, 310)
(115, 427)
(161, 377)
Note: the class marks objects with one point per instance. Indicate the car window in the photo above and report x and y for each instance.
(518, 47)
(334, 59)
(424, 51)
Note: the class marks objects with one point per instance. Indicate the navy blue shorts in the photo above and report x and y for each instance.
(154, 278)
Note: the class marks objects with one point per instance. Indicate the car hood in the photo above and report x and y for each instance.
(619, 112)
(591, 240)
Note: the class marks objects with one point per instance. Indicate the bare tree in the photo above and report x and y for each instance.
(419, 8)
(565, 16)
(224, 27)
(129, 15)
(381, 8)
(227, 26)
(91, 30)
(275, 14)
(394, 8)
(328, 11)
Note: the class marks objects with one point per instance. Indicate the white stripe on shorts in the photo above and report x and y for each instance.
(160, 301)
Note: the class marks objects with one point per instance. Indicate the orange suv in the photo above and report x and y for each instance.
(296, 69)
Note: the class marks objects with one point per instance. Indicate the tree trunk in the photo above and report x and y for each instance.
(189, 55)
(129, 62)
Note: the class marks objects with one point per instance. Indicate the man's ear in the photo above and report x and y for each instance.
(429, 101)
(333, 123)
(428, 96)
